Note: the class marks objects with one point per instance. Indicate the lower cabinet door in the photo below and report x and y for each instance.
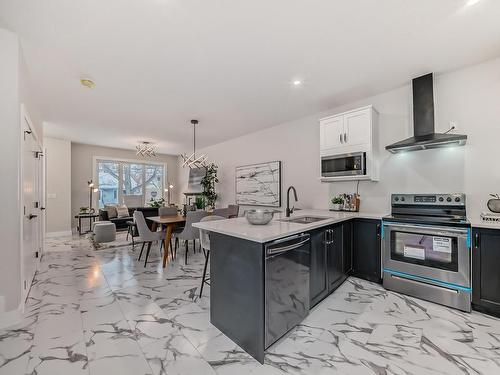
(486, 270)
(318, 283)
(366, 249)
(347, 247)
(335, 255)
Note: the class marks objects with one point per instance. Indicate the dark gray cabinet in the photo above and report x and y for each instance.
(366, 252)
(331, 259)
(318, 283)
(486, 270)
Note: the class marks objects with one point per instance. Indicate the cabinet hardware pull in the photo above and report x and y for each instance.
(340, 136)
(345, 137)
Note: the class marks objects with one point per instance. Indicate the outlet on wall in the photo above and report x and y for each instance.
(453, 125)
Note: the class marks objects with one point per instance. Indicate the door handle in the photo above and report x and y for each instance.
(31, 216)
(476, 240)
(328, 236)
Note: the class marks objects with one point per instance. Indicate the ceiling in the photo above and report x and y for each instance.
(230, 63)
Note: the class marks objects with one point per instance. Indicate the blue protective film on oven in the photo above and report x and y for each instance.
(469, 237)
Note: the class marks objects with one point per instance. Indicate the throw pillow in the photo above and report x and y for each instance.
(122, 211)
(112, 213)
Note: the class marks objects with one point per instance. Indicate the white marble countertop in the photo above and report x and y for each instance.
(241, 228)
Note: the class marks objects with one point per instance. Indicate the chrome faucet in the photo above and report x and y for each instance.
(289, 210)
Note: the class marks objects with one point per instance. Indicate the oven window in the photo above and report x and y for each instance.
(426, 250)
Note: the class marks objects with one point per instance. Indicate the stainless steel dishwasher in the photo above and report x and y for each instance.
(287, 284)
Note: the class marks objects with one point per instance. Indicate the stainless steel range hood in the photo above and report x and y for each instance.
(423, 122)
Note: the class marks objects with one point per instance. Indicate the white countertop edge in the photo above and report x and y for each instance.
(240, 228)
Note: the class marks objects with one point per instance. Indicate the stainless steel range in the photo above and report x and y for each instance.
(426, 248)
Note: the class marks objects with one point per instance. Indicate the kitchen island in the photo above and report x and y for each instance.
(256, 298)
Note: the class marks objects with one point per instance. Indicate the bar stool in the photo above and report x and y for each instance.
(205, 245)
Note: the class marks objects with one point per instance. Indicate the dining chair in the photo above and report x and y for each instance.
(233, 211)
(205, 245)
(146, 236)
(224, 212)
(189, 232)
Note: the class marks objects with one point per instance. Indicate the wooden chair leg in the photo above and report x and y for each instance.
(204, 271)
(128, 232)
(147, 253)
(171, 249)
(142, 249)
(186, 252)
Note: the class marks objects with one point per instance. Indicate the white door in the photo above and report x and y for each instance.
(29, 211)
(357, 127)
(332, 131)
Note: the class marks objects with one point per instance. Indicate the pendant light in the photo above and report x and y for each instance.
(193, 161)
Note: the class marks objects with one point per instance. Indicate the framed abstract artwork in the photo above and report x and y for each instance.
(259, 184)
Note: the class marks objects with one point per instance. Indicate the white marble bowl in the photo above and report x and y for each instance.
(259, 216)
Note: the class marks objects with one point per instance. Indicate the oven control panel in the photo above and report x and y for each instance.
(457, 199)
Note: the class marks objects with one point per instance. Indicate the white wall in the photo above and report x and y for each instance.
(82, 164)
(470, 97)
(58, 172)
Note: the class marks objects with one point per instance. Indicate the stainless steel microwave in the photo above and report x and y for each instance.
(344, 165)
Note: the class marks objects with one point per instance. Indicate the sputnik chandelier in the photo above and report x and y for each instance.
(194, 161)
(146, 149)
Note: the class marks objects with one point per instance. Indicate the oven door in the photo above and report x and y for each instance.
(431, 252)
(343, 165)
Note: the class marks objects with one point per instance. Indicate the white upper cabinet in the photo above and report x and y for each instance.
(347, 132)
(357, 127)
(332, 130)
(351, 133)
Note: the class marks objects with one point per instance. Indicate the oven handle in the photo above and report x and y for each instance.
(431, 229)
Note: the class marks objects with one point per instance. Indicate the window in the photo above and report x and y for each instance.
(132, 183)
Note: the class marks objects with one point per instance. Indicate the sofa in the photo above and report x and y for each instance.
(121, 223)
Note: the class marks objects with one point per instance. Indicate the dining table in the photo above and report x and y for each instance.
(170, 222)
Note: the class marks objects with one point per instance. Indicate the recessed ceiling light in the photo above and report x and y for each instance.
(470, 3)
(297, 82)
(87, 83)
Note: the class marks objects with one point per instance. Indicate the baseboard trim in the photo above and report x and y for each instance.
(58, 234)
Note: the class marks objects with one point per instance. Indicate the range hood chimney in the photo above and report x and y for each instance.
(424, 136)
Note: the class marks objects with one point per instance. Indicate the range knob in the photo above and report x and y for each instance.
(457, 199)
(396, 199)
(402, 199)
(441, 199)
(448, 199)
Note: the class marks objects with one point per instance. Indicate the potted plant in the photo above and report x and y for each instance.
(200, 203)
(337, 203)
(156, 203)
(208, 183)
(494, 203)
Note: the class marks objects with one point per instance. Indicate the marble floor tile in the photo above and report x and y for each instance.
(101, 311)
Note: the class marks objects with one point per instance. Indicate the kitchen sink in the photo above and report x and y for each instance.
(305, 219)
